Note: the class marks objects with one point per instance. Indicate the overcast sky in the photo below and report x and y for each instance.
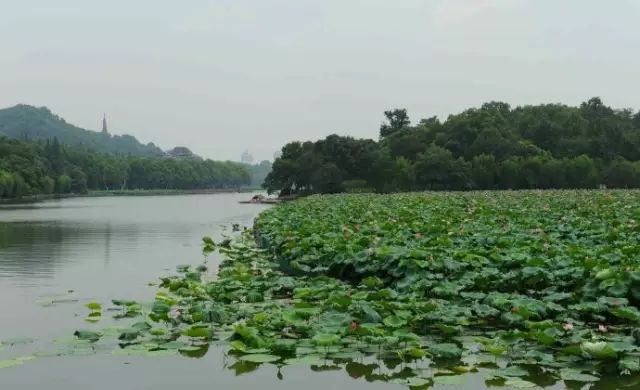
(222, 76)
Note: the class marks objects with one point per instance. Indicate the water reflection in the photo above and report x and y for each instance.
(396, 371)
(101, 248)
(37, 250)
(41, 239)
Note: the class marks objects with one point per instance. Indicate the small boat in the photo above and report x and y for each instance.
(260, 199)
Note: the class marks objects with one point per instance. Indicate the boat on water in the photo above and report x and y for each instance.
(261, 199)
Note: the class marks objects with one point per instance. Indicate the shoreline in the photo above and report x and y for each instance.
(105, 193)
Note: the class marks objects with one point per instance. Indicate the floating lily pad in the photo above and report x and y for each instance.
(259, 358)
(520, 384)
(305, 360)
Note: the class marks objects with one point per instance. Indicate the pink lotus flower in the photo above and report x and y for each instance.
(603, 328)
(568, 326)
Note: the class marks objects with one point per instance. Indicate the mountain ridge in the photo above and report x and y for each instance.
(28, 122)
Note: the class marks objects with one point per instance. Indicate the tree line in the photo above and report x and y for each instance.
(48, 167)
(494, 146)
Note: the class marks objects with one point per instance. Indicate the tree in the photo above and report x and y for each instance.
(492, 146)
(397, 120)
(408, 144)
(63, 184)
(492, 141)
(404, 175)
(327, 179)
(437, 169)
(484, 171)
(581, 172)
(510, 174)
(32, 168)
(78, 181)
(7, 184)
(622, 174)
(553, 174)
(47, 185)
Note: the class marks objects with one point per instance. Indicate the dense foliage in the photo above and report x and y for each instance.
(491, 147)
(550, 278)
(523, 288)
(35, 168)
(30, 123)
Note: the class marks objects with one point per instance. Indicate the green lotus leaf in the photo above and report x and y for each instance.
(325, 339)
(569, 374)
(599, 350)
(259, 358)
(520, 384)
(87, 335)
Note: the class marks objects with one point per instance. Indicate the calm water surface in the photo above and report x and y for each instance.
(113, 247)
(87, 249)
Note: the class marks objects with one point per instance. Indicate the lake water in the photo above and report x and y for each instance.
(113, 247)
(56, 256)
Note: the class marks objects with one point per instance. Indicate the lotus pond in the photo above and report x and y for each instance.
(522, 289)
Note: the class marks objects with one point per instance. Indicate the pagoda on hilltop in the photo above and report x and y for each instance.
(104, 124)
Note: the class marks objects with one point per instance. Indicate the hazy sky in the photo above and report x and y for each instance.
(221, 76)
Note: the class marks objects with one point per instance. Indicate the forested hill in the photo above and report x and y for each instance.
(26, 122)
(494, 146)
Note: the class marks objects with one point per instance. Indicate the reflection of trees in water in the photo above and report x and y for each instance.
(36, 250)
(107, 245)
(397, 371)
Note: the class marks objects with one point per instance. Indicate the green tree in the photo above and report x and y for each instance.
(553, 174)
(404, 175)
(327, 179)
(437, 169)
(510, 174)
(397, 120)
(484, 171)
(581, 172)
(78, 181)
(47, 185)
(622, 174)
(63, 184)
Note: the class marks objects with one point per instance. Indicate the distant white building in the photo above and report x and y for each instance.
(247, 158)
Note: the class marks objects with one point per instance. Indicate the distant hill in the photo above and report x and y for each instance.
(39, 123)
